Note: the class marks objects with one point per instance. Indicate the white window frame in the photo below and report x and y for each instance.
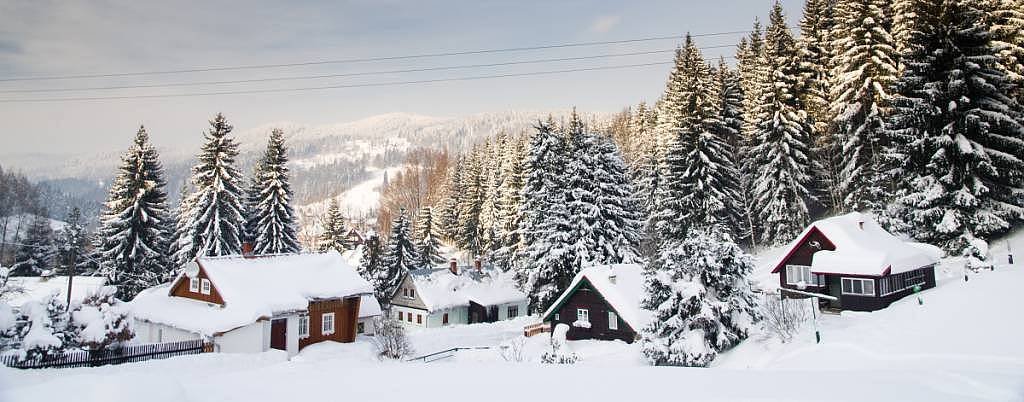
(205, 286)
(193, 285)
(303, 326)
(797, 273)
(511, 311)
(583, 315)
(849, 290)
(613, 320)
(326, 318)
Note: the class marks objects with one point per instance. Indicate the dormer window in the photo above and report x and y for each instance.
(205, 286)
(193, 285)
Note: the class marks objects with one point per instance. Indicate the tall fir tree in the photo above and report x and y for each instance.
(427, 243)
(469, 231)
(780, 157)
(214, 223)
(36, 252)
(72, 243)
(968, 186)
(334, 235)
(618, 230)
(509, 202)
(398, 259)
(865, 69)
(133, 240)
(702, 304)
(272, 223)
(371, 265)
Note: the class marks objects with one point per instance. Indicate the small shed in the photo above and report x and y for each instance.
(437, 297)
(860, 264)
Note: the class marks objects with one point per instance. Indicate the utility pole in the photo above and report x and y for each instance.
(1009, 252)
(71, 277)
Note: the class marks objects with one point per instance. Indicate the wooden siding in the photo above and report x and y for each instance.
(873, 303)
(400, 300)
(346, 315)
(587, 297)
(181, 289)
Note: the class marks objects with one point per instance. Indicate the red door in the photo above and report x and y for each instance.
(279, 334)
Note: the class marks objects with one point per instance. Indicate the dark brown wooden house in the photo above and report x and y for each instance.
(255, 303)
(603, 302)
(852, 259)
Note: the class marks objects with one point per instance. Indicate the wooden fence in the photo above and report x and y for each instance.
(127, 354)
(536, 329)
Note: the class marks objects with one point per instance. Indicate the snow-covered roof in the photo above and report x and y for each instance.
(439, 289)
(36, 288)
(252, 288)
(624, 294)
(862, 247)
(368, 306)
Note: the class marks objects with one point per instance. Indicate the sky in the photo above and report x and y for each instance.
(45, 38)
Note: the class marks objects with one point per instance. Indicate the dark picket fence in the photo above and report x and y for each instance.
(127, 354)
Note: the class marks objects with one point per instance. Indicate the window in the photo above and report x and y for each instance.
(412, 293)
(400, 317)
(206, 286)
(303, 326)
(583, 315)
(327, 324)
(360, 327)
(513, 312)
(613, 320)
(408, 317)
(802, 273)
(857, 286)
(419, 319)
(899, 282)
(557, 317)
(444, 319)
(193, 285)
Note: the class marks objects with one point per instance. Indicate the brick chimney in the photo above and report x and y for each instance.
(247, 250)
(453, 266)
(611, 276)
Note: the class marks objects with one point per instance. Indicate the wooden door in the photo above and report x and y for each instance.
(279, 334)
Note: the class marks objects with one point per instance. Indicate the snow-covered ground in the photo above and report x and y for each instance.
(36, 288)
(962, 344)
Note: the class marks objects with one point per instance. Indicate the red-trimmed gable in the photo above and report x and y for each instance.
(802, 251)
(181, 288)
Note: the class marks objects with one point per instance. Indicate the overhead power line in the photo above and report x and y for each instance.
(339, 86)
(367, 59)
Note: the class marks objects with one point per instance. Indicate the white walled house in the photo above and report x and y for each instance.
(255, 303)
(438, 297)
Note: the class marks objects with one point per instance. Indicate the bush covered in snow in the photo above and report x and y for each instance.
(101, 321)
(514, 350)
(8, 327)
(783, 317)
(8, 288)
(44, 335)
(389, 338)
(560, 353)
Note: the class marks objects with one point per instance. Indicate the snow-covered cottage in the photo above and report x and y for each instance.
(602, 302)
(437, 297)
(851, 258)
(255, 303)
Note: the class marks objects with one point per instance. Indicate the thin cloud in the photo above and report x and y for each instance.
(604, 23)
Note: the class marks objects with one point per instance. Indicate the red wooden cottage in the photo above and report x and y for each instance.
(602, 302)
(851, 258)
(255, 303)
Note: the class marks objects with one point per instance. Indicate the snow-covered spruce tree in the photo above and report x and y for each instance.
(815, 56)
(427, 244)
(644, 172)
(399, 257)
(101, 321)
(706, 174)
(213, 224)
(448, 207)
(865, 69)
(969, 188)
(779, 159)
(509, 202)
(468, 229)
(333, 236)
(751, 69)
(72, 240)
(1006, 22)
(669, 109)
(731, 115)
(618, 229)
(273, 218)
(370, 263)
(36, 252)
(580, 192)
(547, 254)
(45, 336)
(490, 230)
(701, 300)
(133, 240)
